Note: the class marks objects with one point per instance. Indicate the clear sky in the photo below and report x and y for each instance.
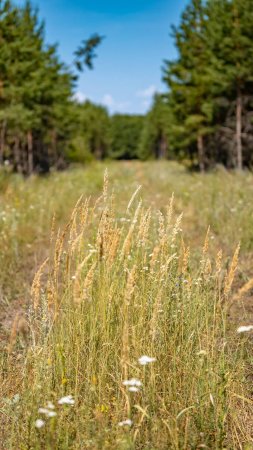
(128, 68)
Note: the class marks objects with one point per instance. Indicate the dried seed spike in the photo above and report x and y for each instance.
(154, 257)
(114, 246)
(89, 281)
(170, 210)
(186, 256)
(52, 234)
(76, 207)
(59, 247)
(165, 266)
(73, 229)
(230, 276)
(71, 224)
(144, 228)
(130, 285)
(208, 267)
(35, 289)
(105, 186)
(161, 230)
(218, 261)
(84, 212)
(77, 241)
(77, 286)
(127, 243)
(132, 198)
(51, 294)
(176, 228)
(206, 243)
(245, 288)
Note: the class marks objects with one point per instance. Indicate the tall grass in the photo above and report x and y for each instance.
(117, 287)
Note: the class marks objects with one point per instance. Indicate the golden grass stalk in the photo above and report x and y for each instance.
(127, 243)
(132, 198)
(231, 273)
(35, 289)
(245, 288)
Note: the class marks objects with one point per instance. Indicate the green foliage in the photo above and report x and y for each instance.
(35, 91)
(85, 53)
(156, 133)
(125, 135)
(38, 117)
(211, 84)
(91, 134)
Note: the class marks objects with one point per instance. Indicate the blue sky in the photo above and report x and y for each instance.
(128, 68)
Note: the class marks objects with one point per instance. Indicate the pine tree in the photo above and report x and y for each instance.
(189, 81)
(231, 62)
(91, 136)
(125, 132)
(35, 91)
(156, 135)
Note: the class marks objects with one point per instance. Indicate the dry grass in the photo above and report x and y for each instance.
(123, 281)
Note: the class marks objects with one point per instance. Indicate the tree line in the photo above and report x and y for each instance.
(38, 115)
(211, 84)
(205, 116)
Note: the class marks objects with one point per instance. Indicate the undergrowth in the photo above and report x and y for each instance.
(129, 345)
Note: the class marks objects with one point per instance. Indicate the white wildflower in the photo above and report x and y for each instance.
(43, 411)
(67, 400)
(143, 360)
(39, 423)
(47, 412)
(244, 328)
(50, 405)
(132, 382)
(51, 414)
(133, 389)
(127, 422)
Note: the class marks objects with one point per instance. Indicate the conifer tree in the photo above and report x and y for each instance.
(231, 62)
(189, 81)
(157, 133)
(91, 136)
(35, 90)
(125, 132)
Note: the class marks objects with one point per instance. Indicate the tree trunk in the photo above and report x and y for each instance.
(239, 129)
(2, 142)
(98, 152)
(30, 152)
(18, 166)
(162, 147)
(200, 146)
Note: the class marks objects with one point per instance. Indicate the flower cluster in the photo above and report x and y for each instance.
(144, 360)
(244, 328)
(49, 411)
(134, 385)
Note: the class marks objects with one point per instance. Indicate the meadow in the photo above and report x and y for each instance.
(122, 288)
